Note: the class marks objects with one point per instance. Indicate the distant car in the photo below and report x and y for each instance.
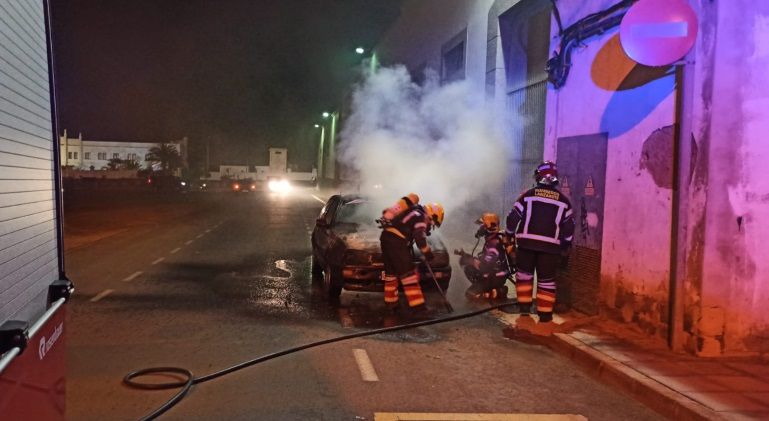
(278, 185)
(346, 252)
(243, 186)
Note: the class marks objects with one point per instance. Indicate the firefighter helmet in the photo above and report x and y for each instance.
(435, 213)
(489, 221)
(546, 173)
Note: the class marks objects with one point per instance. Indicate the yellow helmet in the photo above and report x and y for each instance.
(435, 212)
(490, 221)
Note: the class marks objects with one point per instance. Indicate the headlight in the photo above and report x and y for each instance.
(279, 186)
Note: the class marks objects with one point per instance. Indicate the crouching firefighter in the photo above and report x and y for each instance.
(402, 224)
(489, 270)
(542, 223)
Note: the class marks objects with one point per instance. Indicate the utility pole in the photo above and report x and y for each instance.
(320, 150)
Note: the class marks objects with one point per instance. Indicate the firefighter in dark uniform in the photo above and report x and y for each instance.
(488, 271)
(543, 225)
(402, 224)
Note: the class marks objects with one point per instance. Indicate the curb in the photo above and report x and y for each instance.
(648, 391)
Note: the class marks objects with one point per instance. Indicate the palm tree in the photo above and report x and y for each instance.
(166, 155)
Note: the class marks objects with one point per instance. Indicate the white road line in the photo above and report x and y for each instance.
(187, 243)
(158, 260)
(101, 295)
(199, 236)
(132, 276)
(367, 372)
(176, 250)
(318, 199)
(208, 230)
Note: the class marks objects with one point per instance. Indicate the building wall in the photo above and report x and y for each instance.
(75, 150)
(635, 106)
(728, 280)
(28, 249)
(425, 26)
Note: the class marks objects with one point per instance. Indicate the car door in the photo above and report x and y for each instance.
(322, 235)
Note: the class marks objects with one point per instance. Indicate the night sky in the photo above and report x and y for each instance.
(240, 75)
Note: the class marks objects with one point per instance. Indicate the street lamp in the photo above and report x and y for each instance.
(322, 128)
(331, 163)
(360, 50)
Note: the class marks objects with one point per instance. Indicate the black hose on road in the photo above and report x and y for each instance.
(186, 385)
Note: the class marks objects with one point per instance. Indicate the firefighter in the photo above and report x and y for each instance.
(542, 224)
(402, 224)
(488, 271)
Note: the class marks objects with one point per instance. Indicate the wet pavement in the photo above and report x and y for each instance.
(229, 279)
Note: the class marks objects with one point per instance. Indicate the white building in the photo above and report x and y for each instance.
(278, 167)
(79, 153)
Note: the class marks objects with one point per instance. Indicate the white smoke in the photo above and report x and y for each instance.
(441, 142)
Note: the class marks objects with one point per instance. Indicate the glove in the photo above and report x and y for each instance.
(429, 256)
(480, 233)
(466, 260)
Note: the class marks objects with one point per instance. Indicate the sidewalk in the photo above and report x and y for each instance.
(678, 386)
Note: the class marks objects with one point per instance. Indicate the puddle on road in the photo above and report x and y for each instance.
(283, 288)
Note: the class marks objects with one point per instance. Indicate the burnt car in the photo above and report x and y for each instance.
(346, 252)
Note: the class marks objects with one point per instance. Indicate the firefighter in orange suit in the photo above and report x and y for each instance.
(402, 224)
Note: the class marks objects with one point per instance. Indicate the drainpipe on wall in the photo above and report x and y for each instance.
(682, 170)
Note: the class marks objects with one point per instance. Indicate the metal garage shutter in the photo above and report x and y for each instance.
(28, 244)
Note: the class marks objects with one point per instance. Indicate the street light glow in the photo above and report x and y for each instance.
(317, 125)
(360, 50)
(326, 114)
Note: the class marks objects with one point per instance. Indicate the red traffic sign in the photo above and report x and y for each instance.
(658, 32)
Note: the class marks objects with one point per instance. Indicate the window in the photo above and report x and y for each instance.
(86, 155)
(69, 155)
(131, 157)
(101, 156)
(75, 155)
(116, 155)
(147, 156)
(453, 58)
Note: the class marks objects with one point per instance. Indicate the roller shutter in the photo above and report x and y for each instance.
(28, 239)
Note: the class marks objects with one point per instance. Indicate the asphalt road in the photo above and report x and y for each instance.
(205, 281)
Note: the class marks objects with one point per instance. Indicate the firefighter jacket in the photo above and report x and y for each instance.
(411, 225)
(491, 261)
(542, 220)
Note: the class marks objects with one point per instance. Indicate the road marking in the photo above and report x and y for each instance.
(318, 199)
(132, 276)
(176, 250)
(426, 416)
(158, 260)
(102, 294)
(187, 243)
(208, 230)
(199, 236)
(367, 372)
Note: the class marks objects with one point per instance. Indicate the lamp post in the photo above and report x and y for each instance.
(331, 164)
(320, 151)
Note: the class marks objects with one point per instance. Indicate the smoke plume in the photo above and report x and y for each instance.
(441, 142)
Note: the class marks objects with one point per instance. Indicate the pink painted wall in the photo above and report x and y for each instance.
(606, 92)
(731, 127)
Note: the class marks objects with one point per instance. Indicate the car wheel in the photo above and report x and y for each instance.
(332, 282)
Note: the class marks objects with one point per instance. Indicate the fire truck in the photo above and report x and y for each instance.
(34, 288)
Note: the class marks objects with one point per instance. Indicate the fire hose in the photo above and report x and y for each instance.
(189, 378)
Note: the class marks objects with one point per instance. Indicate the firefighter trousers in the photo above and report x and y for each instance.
(399, 267)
